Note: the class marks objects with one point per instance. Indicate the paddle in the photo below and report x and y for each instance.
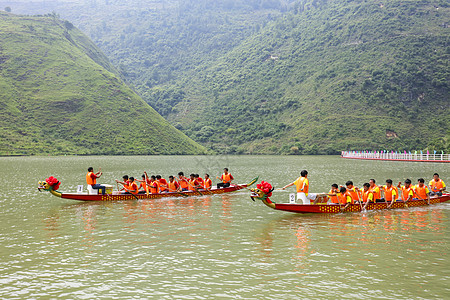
(193, 186)
(145, 183)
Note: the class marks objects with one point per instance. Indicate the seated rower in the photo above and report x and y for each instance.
(367, 195)
(125, 182)
(183, 181)
(390, 192)
(421, 190)
(130, 187)
(154, 185)
(375, 190)
(353, 191)
(332, 194)
(172, 185)
(207, 183)
(143, 183)
(344, 198)
(162, 183)
(406, 191)
(199, 180)
(437, 185)
(193, 183)
(226, 179)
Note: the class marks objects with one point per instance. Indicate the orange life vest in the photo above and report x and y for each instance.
(406, 192)
(183, 183)
(299, 184)
(334, 199)
(173, 186)
(344, 198)
(353, 193)
(376, 192)
(367, 196)
(133, 188)
(154, 187)
(89, 179)
(207, 183)
(421, 191)
(389, 192)
(226, 178)
(436, 185)
(162, 184)
(192, 183)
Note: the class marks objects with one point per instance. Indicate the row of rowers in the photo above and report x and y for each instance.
(371, 192)
(156, 184)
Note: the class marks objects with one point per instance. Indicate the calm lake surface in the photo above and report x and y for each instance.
(220, 246)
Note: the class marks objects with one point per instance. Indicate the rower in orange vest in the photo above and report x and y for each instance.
(407, 191)
(390, 191)
(353, 191)
(375, 190)
(344, 198)
(332, 194)
(129, 185)
(172, 185)
(193, 183)
(125, 183)
(207, 183)
(162, 183)
(154, 185)
(226, 179)
(367, 195)
(436, 184)
(421, 190)
(183, 181)
(199, 180)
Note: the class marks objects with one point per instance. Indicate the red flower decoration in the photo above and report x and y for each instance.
(265, 187)
(53, 182)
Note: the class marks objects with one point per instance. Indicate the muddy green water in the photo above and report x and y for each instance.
(216, 247)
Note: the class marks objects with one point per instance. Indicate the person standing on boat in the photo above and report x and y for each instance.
(422, 191)
(91, 179)
(375, 190)
(437, 185)
(302, 185)
(207, 183)
(226, 179)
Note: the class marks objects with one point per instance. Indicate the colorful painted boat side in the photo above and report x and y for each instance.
(116, 196)
(334, 208)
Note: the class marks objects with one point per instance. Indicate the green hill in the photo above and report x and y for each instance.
(283, 76)
(60, 95)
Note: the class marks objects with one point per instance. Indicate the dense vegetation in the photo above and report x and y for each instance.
(60, 95)
(287, 77)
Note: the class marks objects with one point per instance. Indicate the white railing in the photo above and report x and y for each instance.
(386, 155)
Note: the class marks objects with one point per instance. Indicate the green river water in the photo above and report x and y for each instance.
(219, 246)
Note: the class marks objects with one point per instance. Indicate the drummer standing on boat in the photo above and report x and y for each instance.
(302, 185)
(91, 179)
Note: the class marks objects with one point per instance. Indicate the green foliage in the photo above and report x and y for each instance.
(60, 95)
(261, 76)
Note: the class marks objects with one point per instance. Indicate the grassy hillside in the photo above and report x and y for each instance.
(283, 76)
(60, 95)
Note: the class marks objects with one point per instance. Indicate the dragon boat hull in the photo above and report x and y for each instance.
(116, 196)
(335, 208)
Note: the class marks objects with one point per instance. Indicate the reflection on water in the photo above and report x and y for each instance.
(215, 246)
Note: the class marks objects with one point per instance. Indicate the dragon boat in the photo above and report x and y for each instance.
(263, 191)
(51, 185)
